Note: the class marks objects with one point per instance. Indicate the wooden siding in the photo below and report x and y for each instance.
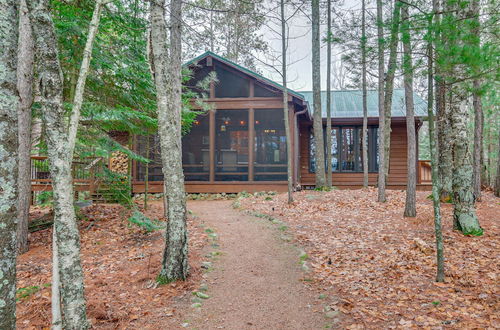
(397, 164)
(218, 187)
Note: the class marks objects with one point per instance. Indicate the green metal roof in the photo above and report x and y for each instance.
(349, 103)
(245, 70)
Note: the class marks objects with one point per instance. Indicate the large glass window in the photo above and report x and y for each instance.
(196, 150)
(231, 84)
(347, 149)
(231, 145)
(270, 146)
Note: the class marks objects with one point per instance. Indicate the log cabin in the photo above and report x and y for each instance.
(240, 144)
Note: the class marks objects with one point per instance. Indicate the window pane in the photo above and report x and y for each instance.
(196, 150)
(335, 150)
(230, 84)
(348, 159)
(270, 146)
(312, 152)
(231, 145)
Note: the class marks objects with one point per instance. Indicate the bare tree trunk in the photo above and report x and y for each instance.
(329, 97)
(317, 116)
(464, 212)
(436, 203)
(60, 151)
(497, 181)
(146, 176)
(411, 186)
(289, 155)
(56, 284)
(8, 161)
(478, 111)
(389, 83)
(168, 97)
(478, 140)
(363, 83)
(25, 88)
(381, 120)
(445, 164)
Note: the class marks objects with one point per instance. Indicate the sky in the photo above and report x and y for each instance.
(300, 53)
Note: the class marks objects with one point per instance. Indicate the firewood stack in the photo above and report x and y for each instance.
(118, 162)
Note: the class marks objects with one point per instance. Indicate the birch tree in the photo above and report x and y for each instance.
(457, 21)
(25, 58)
(411, 185)
(316, 82)
(167, 76)
(61, 137)
(8, 161)
(363, 86)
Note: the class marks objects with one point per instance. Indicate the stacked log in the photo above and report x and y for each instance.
(118, 162)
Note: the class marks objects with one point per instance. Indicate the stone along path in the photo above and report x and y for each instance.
(255, 281)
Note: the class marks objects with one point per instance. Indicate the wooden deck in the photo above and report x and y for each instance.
(84, 174)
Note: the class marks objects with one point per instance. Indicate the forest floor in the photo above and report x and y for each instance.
(363, 266)
(380, 267)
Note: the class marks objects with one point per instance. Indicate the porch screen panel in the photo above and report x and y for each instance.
(270, 146)
(196, 150)
(150, 150)
(230, 84)
(231, 145)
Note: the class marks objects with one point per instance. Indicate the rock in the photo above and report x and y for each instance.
(206, 264)
(202, 295)
(422, 246)
(203, 287)
(332, 314)
(196, 305)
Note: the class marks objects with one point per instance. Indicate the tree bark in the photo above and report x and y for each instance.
(60, 153)
(464, 212)
(389, 83)
(9, 12)
(478, 111)
(168, 97)
(411, 185)
(436, 203)
(497, 181)
(289, 154)
(478, 139)
(381, 118)
(444, 149)
(329, 97)
(363, 83)
(25, 88)
(317, 116)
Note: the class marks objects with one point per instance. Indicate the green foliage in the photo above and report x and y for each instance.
(45, 198)
(148, 225)
(24, 293)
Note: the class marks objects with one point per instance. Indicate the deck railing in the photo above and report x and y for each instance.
(84, 171)
(424, 172)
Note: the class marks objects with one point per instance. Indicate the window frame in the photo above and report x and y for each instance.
(372, 148)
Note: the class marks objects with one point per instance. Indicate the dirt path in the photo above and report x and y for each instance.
(254, 282)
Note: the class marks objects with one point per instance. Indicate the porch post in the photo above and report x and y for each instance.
(211, 152)
(251, 142)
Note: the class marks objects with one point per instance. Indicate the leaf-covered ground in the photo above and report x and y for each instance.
(364, 256)
(120, 262)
